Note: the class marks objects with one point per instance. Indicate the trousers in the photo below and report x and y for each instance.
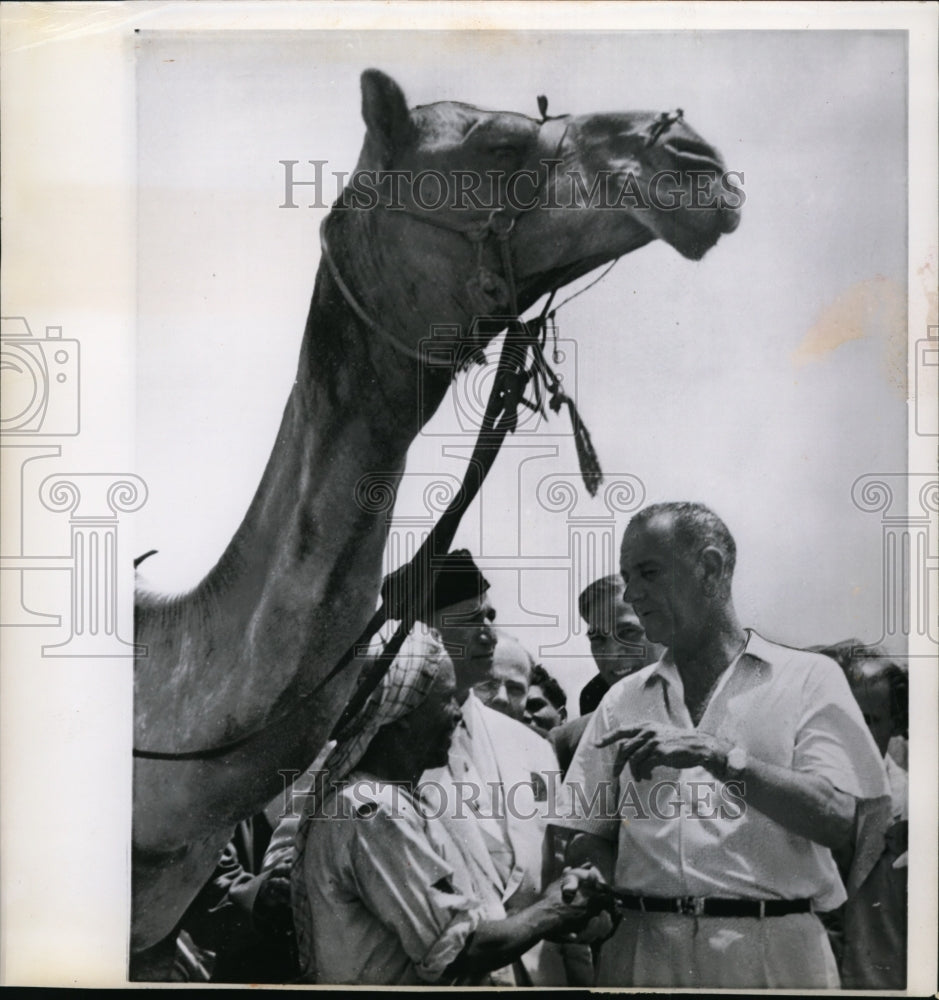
(674, 950)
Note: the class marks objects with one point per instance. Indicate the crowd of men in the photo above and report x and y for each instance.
(723, 813)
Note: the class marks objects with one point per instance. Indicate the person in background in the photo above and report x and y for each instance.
(382, 894)
(873, 921)
(546, 704)
(617, 639)
(711, 787)
(505, 689)
(242, 915)
(546, 713)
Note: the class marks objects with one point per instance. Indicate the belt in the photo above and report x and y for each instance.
(699, 906)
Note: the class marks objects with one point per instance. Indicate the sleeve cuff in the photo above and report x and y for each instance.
(448, 946)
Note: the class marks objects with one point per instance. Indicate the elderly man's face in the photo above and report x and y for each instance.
(506, 687)
(618, 642)
(426, 732)
(662, 582)
(465, 628)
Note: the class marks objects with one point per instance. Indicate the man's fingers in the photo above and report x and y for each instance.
(631, 747)
(643, 760)
(619, 734)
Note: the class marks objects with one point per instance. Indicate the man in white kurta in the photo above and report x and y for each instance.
(718, 779)
(501, 777)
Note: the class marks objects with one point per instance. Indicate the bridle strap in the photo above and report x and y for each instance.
(357, 307)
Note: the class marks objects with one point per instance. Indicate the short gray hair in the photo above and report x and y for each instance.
(694, 525)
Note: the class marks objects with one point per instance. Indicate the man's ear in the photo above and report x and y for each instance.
(711, 562)
(386, 117)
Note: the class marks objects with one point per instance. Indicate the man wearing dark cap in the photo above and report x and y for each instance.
(494, 792)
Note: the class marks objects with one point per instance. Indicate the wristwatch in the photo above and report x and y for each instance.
(736, 762)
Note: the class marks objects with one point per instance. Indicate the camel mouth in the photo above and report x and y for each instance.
(695, 241)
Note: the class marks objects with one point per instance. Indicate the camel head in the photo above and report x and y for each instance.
(582, 190)
(455, 213)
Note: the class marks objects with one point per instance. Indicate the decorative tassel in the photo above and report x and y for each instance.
(586, 454)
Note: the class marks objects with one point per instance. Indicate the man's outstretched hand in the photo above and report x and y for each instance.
(654, 744)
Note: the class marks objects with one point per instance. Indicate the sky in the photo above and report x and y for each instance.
(763, 380)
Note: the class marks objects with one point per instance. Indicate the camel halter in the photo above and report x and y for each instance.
(405, 592)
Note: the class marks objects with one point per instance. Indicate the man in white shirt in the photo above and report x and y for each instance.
(501, 778)
(710, 787)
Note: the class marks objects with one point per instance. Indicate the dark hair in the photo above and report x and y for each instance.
(695, 526)
(552, 690)
(852, 654)
(606, 589)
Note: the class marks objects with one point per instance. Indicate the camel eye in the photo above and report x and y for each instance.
(504, 152)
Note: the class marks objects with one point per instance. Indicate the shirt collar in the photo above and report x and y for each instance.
(756, 650)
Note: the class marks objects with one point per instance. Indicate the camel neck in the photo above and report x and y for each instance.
(288, 585)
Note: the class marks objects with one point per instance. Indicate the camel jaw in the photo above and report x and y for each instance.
(532, 287)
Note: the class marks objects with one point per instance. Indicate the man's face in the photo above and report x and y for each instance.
(873, 698)
(662, 583)
(618, 642)
(506, 687)
(465, 628)
(428, 730)
(539, 712)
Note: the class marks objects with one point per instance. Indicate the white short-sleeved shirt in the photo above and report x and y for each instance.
(684, 832)
(389, 901)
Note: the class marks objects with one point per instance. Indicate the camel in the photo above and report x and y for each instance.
(240, 660)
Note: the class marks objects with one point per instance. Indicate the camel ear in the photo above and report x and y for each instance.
(386, 114)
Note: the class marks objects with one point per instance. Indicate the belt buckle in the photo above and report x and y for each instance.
(691, 906)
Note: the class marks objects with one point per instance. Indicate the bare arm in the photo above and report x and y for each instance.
(496, 943)
(806, 804)
(803, 803)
